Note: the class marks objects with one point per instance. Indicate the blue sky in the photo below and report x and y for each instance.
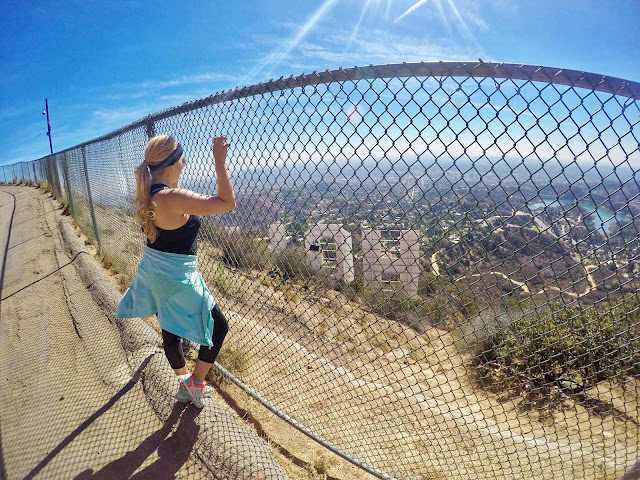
(104, 64)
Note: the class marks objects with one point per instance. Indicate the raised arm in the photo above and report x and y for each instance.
(184, 201)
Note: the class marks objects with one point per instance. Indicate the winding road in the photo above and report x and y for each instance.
(589, 268)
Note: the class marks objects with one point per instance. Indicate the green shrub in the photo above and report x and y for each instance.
(234, 361)
(357, 285)
(227, 283)
(390, 301)
(290, 295)
(292, 263)
(567, 349)
(241, 251)
(431, 313)
(428, 283)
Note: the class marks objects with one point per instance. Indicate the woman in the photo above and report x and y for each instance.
(168, 282)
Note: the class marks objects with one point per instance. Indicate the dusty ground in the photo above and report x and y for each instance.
(73, 405)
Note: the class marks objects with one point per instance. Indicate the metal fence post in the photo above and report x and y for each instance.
(65, 171)
(55, 177)
(93, 213)
(151, 126)
(49, 174)
(56, 174)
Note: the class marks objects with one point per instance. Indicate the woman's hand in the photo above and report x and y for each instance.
(220, 149)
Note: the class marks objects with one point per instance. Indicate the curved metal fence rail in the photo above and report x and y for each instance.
(432, 269)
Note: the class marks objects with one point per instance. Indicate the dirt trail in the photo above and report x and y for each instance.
(592, 283)
(434, 263)
(70, 406)
(518, 284)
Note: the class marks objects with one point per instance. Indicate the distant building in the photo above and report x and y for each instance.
(391, 256)
(277, 237)
(329, 248)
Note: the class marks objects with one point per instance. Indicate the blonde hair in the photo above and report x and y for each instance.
(158, 148)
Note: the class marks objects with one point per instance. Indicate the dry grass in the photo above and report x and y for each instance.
(301, 457)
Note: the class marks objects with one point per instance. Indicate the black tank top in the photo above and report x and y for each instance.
(183, 240)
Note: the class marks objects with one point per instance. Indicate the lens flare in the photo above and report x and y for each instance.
(277, 56)
(355, 114)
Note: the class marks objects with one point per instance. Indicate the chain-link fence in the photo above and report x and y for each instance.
(432, 268)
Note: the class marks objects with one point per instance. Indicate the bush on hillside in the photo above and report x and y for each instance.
(390, 301)
(241, 251)
(292, 263)
(567, 350)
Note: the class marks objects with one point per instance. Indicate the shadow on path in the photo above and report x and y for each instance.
(173, 451)
(69, 438)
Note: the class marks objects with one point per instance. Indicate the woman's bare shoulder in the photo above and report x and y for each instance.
(180, 193)
(184, 201)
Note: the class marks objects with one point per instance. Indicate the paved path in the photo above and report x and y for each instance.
(70, 406)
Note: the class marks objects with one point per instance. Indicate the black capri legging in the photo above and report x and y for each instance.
(173, 346)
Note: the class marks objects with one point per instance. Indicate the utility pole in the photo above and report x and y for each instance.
(46, 111)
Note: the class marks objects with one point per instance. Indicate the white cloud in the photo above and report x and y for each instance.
(198, 78)
(380, 47)
(476, 20)
(119, 116)
(332, 46)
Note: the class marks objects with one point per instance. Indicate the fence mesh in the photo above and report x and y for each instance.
(432, 268)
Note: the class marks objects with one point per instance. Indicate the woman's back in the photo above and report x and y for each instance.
(184, 238)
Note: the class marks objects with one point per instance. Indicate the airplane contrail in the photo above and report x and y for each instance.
(411, 9)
